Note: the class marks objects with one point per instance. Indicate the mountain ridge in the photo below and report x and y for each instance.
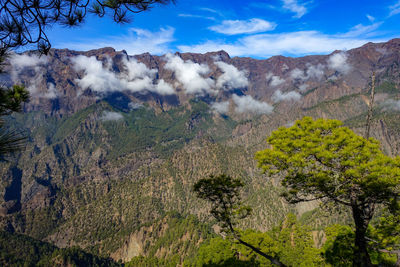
(256, 69)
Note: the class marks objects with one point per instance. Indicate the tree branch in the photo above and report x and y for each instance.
(273, 260)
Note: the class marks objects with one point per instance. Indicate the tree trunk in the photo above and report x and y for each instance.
(362, 217)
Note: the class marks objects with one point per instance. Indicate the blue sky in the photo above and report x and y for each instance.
(257, 29)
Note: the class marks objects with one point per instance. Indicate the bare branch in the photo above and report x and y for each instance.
(24, 22)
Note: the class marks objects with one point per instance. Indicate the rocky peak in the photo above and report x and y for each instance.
(264, 76)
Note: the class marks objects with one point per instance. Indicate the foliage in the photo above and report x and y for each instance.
(21, 250)
(220, 252)
(339, 245)
(178, 241)
(149, 262)
(11, 100)
(321, 160)
(25, 22)
(10, 140)
(99, 215)
(295, 243)
(385, 235)
(387, 87)
(291, 242)
(223, 192)
(140, 129)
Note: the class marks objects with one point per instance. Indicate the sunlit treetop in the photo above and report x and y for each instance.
(322, 159)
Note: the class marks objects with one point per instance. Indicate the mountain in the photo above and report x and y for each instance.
(117, 141)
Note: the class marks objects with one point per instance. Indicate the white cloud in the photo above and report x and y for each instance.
(19, 62)
(133, 106)
(254, 25)
(312, 71)
(278, 96)
(362, 30)
(247, 104)
(220, 107)
(297, 74)
(136, 41)
(315, 71)
(51, 91)
(138, 85)
(392, 104)
(135, 77)
(214, 11)
(274, 80)
(185, 15)
(338, 62)
(139, 77)
(370, 18)
(190, 75)
(35, 63)
(163, 88)
(292, 43)
(111, 116)
(96, 77)
(394, 9)
(135, 69)
(303, 87)
(232, 77)
(295, 7)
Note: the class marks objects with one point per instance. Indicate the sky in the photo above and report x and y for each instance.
(258, 29)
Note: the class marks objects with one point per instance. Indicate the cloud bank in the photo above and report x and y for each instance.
(247, 104)
(231, 77)
(52, 92)
(242, 104)
(278, 96)
(136, 77)
(311, 72)
(338, 62)
(190, 75)
(220, 107)
(37, 64)
(274, 80)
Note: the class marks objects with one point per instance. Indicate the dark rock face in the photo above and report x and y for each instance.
(95, 181)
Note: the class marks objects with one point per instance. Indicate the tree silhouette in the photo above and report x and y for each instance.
(223, 192)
